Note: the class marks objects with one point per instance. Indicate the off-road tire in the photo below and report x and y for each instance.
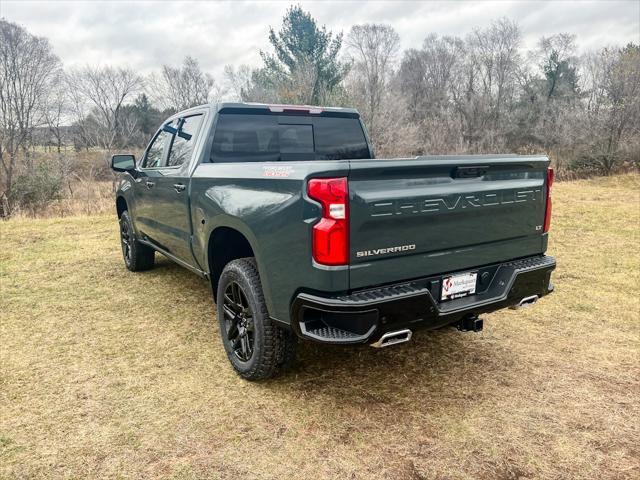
(139, 257)
(274, 348)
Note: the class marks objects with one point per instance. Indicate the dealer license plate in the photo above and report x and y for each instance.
(457, 286)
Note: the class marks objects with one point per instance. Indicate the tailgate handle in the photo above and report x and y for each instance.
(470, 172)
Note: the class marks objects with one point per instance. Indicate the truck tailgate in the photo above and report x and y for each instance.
(412, 218)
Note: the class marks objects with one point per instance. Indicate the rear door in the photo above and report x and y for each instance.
(411, 218)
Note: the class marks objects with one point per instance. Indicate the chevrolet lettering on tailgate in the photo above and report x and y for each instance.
(453, 202)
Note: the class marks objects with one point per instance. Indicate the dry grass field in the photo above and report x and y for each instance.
(110, 374)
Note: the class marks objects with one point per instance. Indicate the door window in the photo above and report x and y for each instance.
(184, 140)
(155, 153)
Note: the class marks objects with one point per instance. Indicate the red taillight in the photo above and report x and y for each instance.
(330, 243)
(547, 212)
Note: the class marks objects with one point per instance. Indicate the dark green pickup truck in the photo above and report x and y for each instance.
(302, 233)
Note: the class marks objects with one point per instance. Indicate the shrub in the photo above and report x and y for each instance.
(37, 189)
(591, 163)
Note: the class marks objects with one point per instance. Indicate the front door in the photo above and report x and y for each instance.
(172, 212)
(151, 167)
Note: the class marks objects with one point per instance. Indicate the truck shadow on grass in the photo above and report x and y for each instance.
(445, 362)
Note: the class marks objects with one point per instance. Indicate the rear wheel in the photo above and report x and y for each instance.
(256, 348)
(136, 256)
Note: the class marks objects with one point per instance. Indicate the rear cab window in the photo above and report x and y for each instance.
(184, 140)
(256, 137)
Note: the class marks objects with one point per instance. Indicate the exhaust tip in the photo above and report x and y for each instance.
(393, 338)
(525, 302)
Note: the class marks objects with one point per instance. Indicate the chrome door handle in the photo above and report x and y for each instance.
(179, 187)
(150, 184)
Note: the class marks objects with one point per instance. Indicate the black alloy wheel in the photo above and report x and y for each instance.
(136, 255)
(256, 348)
(126, 237)
(238, 318)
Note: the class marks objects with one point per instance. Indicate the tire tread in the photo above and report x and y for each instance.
(278, 351)
(142, 256)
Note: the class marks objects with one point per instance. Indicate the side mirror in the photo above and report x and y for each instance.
(123, 163)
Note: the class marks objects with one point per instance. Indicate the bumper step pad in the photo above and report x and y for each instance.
(332, 333)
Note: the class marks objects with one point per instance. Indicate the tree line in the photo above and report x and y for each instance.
(478, 93)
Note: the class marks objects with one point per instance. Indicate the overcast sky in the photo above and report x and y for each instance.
(146, 35)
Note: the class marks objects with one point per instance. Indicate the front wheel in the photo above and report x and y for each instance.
(136, 256)
(256, 348)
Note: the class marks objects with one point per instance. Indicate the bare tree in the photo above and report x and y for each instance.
(98, 96)
(245, 84)
(623, 90)
(441, 58)
(495, 55)
(27, 65)
(428, 78)
(373, 48)
(178, 88)
(611, 85)
(57, 111)
(238, 81)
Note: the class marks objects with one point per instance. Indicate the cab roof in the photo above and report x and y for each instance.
(283, 108)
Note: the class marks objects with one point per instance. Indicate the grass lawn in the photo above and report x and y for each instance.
(111, 374)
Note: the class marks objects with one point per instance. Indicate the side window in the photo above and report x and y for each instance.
(155, 152)
(184, 140)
